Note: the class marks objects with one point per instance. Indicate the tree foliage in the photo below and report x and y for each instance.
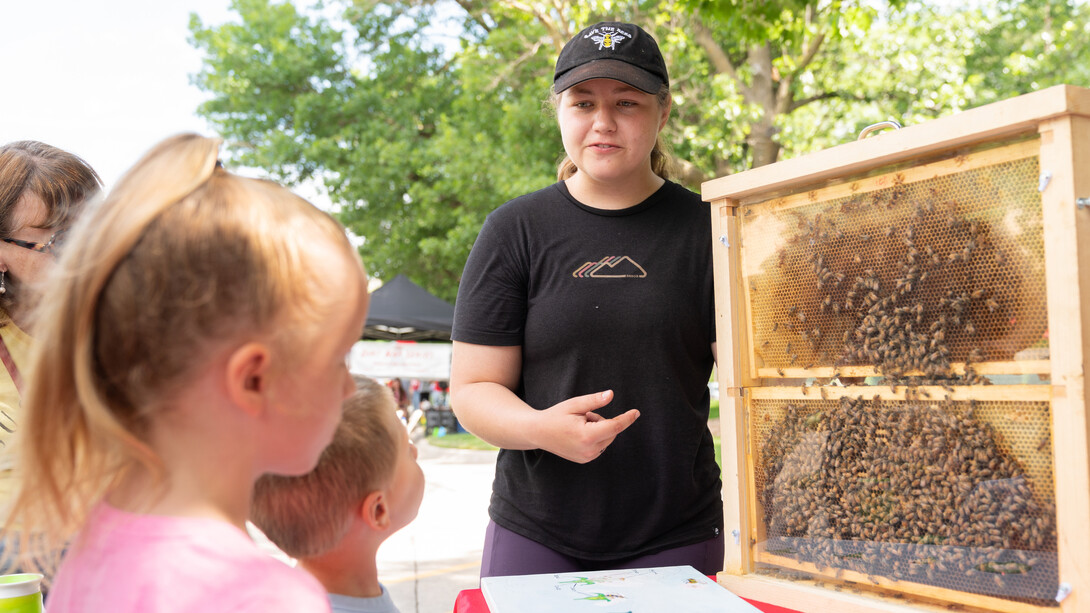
(421, 116)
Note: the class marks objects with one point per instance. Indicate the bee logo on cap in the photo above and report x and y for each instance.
(607, 37)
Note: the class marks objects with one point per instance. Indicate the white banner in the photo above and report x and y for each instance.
(426, 361)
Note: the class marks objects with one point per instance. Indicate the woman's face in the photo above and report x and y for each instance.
(609, 129)
(26, 265)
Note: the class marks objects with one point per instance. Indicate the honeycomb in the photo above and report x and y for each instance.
(911, 275)
(921, 276)
(951, 494)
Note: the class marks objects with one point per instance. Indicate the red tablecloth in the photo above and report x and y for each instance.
(472, 601)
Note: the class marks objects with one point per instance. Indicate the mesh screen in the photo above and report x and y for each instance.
(951, 494)
(910, 278)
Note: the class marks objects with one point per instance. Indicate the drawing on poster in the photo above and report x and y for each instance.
(614, 591)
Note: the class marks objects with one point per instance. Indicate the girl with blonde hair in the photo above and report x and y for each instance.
(194, 340)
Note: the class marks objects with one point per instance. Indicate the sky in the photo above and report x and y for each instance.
(105, 79)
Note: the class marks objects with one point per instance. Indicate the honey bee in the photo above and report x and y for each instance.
(1044, 441)
(991, 304)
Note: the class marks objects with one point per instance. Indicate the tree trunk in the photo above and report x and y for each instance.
(761, 137)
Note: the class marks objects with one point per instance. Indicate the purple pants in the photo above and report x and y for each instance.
(507, 553)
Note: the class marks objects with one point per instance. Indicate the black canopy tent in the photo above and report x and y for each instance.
(402, 310)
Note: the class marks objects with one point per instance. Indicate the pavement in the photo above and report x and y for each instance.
(425, 564)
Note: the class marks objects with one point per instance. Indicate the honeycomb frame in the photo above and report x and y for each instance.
(913, 278)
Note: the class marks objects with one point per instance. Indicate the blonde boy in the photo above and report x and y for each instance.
(367, 485)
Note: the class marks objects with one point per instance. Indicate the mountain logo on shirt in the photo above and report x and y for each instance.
(611, 267)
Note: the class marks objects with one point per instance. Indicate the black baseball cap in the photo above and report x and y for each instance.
(612, 50)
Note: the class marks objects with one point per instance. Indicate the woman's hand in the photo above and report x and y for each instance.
(573, 431)
(482, 378)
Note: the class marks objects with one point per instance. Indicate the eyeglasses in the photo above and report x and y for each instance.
(49, 246)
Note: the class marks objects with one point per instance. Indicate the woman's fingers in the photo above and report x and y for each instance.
(582, 434)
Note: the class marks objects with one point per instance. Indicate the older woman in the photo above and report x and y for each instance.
(41, 190)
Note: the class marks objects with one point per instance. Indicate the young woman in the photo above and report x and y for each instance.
(194, 340)
(584, 337)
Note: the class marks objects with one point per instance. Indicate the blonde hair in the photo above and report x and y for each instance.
(662, 163)
(179, 259)
(309, 514)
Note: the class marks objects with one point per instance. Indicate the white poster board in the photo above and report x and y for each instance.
(409, 360)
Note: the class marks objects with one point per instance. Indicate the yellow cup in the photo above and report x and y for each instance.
(21, 593)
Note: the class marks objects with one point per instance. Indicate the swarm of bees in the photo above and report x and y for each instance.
(918, 489)
(849, 483)
(910, 298)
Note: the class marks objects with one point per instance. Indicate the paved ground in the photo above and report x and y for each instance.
(428, 562)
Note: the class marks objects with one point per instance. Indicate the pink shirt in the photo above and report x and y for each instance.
(124, 562)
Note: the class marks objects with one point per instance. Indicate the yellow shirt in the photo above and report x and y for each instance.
(18, 343)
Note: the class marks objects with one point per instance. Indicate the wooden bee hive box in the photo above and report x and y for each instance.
(903, 323)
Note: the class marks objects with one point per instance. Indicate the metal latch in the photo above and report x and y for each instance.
(878, 126)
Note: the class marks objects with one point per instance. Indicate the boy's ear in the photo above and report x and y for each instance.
(248, 377)
(375, 512)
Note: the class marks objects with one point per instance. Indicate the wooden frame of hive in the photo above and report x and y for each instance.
(1052, 127)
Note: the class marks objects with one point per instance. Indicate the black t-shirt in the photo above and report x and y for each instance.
(603, 299)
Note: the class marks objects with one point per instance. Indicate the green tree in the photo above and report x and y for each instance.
(419, 123)
(356, 110)
(1030, 45)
